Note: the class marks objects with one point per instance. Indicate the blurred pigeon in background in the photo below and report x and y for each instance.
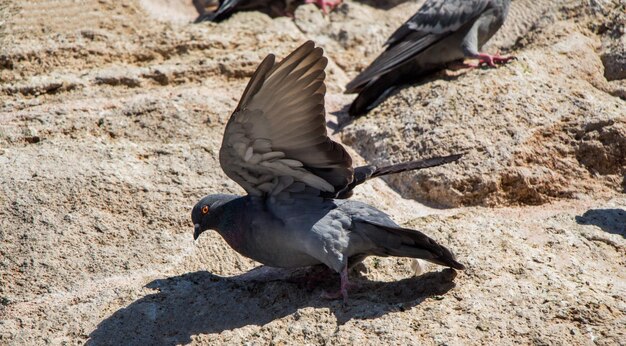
(295, 214)
(222, 9)
(442, 31)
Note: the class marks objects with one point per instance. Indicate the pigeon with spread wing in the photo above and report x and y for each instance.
(441, 32)
(296, 212)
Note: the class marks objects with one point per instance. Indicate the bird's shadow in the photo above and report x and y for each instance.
(204, 303)
(609, 220)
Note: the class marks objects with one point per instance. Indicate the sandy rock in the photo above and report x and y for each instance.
(97, 181)
(526, 16)
(614, 59)
(602, 147)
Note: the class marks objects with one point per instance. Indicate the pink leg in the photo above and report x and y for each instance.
(343, 291)
(325, 5)
(492, 60)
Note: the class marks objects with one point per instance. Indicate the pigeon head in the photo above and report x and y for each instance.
(206, 213)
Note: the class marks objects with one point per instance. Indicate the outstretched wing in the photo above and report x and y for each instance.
(276, 139)
(434, 21)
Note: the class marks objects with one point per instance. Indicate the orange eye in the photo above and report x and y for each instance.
(205, 209)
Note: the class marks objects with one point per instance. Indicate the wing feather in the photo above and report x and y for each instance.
(276, 139)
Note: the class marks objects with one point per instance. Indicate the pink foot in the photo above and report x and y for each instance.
(343, 291)
(492, 60)
(325, 5)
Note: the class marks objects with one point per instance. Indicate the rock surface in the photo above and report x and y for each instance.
(111, 119)
(524, 126)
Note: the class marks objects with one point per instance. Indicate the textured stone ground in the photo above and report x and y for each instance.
(111, 117)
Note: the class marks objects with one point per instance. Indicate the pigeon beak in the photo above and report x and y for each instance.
(196, 231)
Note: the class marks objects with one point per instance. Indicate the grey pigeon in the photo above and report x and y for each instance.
(442, 31)
(296, 213)
(272, 8)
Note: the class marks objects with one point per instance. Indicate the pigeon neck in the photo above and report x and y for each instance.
(228, 221)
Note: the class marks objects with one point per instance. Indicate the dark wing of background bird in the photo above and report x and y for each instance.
(225, 9)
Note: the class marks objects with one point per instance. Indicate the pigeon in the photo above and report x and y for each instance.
(441, 32)
(296, 212)
(272, 8)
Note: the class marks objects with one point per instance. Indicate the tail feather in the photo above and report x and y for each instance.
(413, 165)
(206, 17)
(225, 9)
(404, 242)
(373, 93)
(364, 173)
